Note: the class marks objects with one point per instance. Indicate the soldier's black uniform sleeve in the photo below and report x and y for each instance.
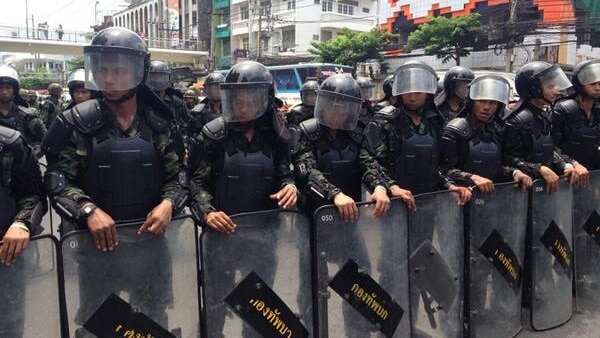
(452, 150)
(283, 163)
(560, 127)
(202, 194)
(27, 186)
(314, 182)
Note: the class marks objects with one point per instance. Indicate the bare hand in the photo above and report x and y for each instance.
(551, 178)
(103, 229)
(573, 175)
(286, 197)
(405, 195)
(382, 202)
(14, 242)
(463, 193)
(485, 185)
(524, 180)
(584, 175)
(219, 221)
(346, 207)
(158, 219)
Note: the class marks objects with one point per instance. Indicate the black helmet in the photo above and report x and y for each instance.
(123, 52)
(159, 76)
(211, 86)
(531, 77)
(387, 86)
(586, 72)
(247, 92)
(414, 77)
(367, 88)
(9, 76)
(454, 75)
(55, 89)
(338, 102)
(308, 93)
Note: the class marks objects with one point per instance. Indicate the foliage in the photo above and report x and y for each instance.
(75, 63)
(37, 80)
(446, 38)
(350, 47)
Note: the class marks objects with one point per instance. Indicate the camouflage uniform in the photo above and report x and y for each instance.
(30, 126)
(49, 109)
(299, 114)
(200, 115)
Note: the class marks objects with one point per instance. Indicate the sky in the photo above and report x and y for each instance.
(74, 15)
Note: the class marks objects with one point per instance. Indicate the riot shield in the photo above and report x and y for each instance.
(551, 258)
(436, 252)
(376, 250)
(586, 223)
(157, 275)
(269, 250)
(30, 292)
(497, 225)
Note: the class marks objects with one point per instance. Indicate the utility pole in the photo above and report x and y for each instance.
(27, 18)
(259, 29)
(510, 57)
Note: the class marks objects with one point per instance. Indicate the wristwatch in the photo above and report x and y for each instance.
(88, 208)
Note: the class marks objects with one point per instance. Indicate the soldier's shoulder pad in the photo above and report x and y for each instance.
(27, 111)
(198, 108)
(215, 130)
(87, 116)
(386, 113)
(156, 120)
(523, 118)
(568, 106)
(458, 126)
(9, 137)
(311, 129)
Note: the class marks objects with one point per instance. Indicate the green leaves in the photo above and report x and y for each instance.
(446, 38)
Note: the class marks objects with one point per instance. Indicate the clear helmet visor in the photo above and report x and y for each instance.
(555, 81)
(589, 74)
(158, 81)
(308, 97)
(414, 80)
(490, 88)
(213, 91)
(336, 111)
(244, 103)
(367, 93)
(112, 71)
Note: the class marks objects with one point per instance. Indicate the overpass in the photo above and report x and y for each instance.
(13, 39)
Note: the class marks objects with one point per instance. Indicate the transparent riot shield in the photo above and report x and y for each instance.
(157, 275)
(551, 259)
(497, 225)
(30, 292)
(271, 248)
(436, 253)
(376, 249)
(586, 229)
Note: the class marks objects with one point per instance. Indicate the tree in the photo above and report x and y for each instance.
(350, 48)
(446, 38)
(74, 63)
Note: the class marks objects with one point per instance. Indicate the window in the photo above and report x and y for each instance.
(288, 38)
(365, 10)
(326, 36)
(285, 80)
(327, 6)
(317, 2)
(244, 12)
(291, 4)
(315, 37)
(245, 43)
(345, 9)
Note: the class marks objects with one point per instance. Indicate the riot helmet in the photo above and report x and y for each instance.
(308, 93)
(414, 77)
(9, 76)
(159, 76)
(55, 89)
(456, 81)
(367, 88)
(32, 96)
(534, 77)
(486, 91)
(76, 84)
(116, 60)
(586, 72)
(338, 102)
(247, 92)
(212, 85)
(387, 86)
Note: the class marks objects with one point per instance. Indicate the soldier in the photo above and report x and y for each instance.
(191, 98)
(22, 205)
(244, 166)
(367, 92)
(470, 147)
(305, 110)
(210, 107)
(527, 142)
(576, 121)
(13, 113)
(404, 138)
(77, 90)
(388, 99)
(451, 100)
(32, 100)
(51, 107)
(116, 162)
